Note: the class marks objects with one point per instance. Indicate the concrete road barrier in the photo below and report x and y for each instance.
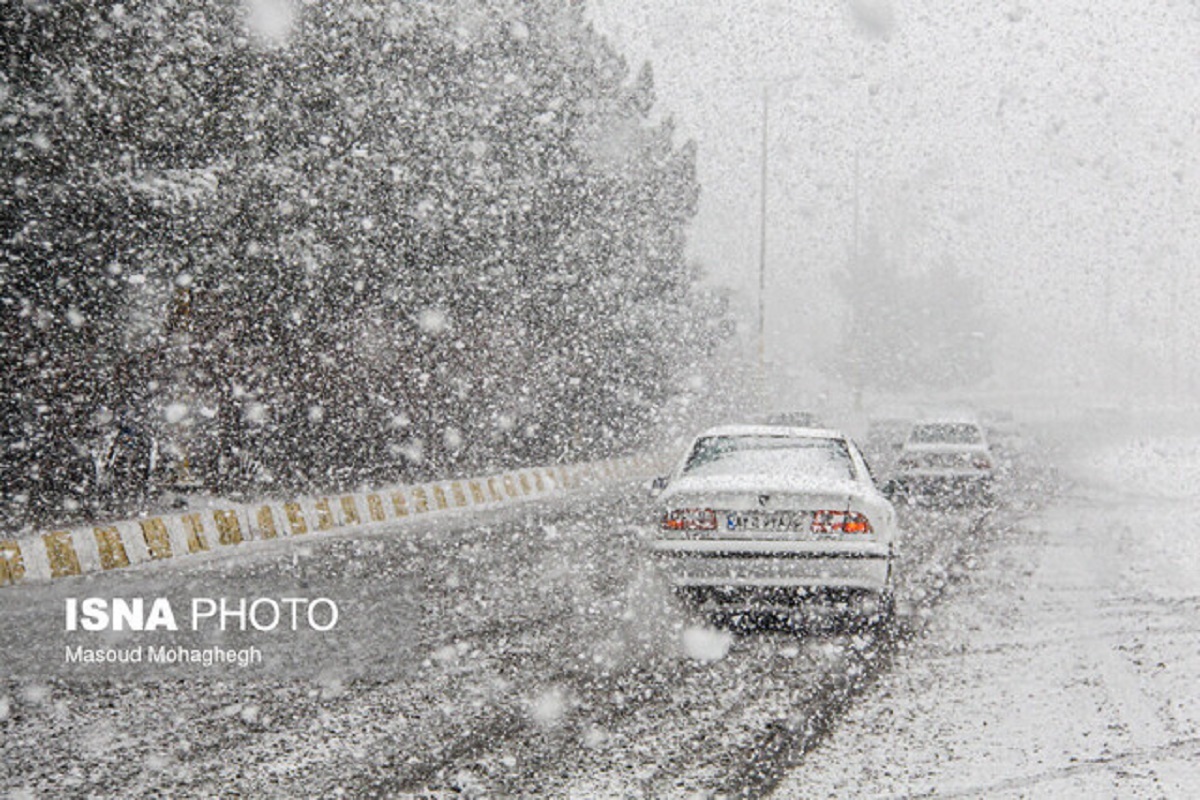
(72, 551)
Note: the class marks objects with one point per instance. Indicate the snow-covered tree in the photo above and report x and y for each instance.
(366, 242)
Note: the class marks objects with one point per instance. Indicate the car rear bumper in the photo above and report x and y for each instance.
(774, 564)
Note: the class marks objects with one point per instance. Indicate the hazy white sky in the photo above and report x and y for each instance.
(1051, 148)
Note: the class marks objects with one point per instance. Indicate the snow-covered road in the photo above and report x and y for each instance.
(528, 651)
(1068, 666)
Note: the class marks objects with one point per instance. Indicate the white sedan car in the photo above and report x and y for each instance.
(946, 457)
(759, 517)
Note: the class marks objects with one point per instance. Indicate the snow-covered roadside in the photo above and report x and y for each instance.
(523, 653)
(1066, 667)
(470, 630)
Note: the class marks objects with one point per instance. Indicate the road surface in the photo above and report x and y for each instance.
(528, 651)
(1067, 667)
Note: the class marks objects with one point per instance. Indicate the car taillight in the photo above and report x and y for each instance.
(840, 522)
(690, 519)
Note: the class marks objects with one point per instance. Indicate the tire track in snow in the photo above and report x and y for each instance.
(741, 741)
(786, 740)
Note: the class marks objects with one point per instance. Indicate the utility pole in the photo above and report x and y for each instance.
(857, 183)
(763, 175)
(762, 234)
(859, 366)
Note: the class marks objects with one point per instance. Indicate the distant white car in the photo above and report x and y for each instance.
(792, 419)
(946, 456)
(761, 517)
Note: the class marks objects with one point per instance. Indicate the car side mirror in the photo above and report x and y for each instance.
(657, 486)
(889, 489)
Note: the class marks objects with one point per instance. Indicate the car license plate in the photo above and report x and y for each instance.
(769, 521)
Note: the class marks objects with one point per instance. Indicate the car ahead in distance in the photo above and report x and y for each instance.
(946, 457)
(762, 518)
(792, 419)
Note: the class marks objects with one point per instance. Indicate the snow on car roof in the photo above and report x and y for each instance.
(771, 430)
(964, 416)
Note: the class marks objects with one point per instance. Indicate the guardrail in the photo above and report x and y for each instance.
(74, 551)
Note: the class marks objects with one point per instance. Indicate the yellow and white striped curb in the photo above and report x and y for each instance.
(76, 551)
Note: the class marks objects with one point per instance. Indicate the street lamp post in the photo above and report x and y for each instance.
(762, 217)
(762, 235)
(763, 208)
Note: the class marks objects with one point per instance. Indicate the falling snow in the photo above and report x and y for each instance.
(273, 253)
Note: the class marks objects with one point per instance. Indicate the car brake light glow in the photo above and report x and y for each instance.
(690, 519)
(840, 522)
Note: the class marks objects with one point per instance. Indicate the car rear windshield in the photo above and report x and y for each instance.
(788, 455)
(946, 433)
